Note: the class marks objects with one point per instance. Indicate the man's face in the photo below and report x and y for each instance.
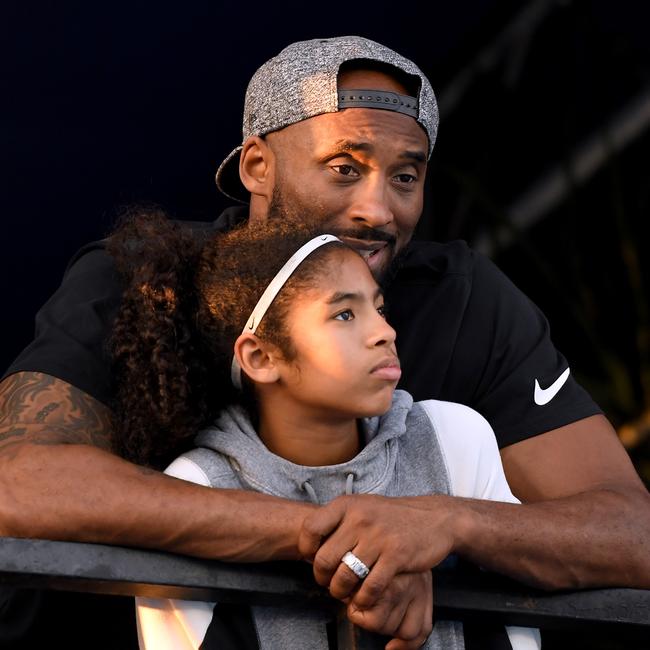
(360, 172)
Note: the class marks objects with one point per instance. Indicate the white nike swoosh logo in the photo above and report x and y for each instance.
(545, 395)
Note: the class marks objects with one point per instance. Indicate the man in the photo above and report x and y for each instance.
(342, 128)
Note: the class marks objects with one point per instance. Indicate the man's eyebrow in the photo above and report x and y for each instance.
(353, 296)
(347, 146)
(418, 156)
(350, 146)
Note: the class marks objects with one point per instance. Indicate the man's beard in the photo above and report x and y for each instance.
(291, 209)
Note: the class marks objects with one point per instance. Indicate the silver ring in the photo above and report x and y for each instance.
(355, 565)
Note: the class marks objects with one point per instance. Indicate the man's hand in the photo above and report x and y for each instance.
(390, 535)
(586, 503)
(404, 611)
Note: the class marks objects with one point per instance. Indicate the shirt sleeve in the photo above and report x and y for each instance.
(187, 470)
(72, 328)
(470, 452)
(519, 381)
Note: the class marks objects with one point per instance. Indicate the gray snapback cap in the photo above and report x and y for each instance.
(301, 82)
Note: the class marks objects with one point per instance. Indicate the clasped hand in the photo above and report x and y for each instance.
(400, 540)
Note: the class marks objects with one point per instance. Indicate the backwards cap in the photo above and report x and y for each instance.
(301, 82)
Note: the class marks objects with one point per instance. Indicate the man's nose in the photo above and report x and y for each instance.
(371, 204)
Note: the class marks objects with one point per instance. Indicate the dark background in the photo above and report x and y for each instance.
(542, 158)
(541, 162)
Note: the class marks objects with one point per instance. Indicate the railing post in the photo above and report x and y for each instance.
(349, 636)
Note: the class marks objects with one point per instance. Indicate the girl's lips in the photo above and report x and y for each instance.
(390, 373)
(388, 369)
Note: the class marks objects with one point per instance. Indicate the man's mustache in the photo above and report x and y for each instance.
(364, 234)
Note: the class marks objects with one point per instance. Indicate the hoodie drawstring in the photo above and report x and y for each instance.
(309, 488)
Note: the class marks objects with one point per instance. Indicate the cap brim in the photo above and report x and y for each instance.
(228, 180)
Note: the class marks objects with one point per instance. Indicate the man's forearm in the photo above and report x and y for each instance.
(58, 481)
(594, 539)
(81, 493)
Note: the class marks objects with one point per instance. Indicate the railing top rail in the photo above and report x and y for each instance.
(459, 595)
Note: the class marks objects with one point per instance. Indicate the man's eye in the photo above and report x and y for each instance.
(406, 178)
(344, 315)
(345, 170)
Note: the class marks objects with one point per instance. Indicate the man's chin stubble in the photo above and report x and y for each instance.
(281, 208)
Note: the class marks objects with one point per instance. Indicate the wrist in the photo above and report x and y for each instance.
(247, 526)
(285, 519)
(463, 524)
(455, 517)
(295, 518)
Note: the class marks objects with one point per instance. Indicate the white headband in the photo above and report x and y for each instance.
(272, 291)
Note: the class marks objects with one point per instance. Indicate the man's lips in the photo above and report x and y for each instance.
(388, 369)
(367, 249)
(363, 245)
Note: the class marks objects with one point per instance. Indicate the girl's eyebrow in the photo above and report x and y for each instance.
(340, 296)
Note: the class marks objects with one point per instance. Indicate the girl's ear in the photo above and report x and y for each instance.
(257, 167)
(256, 359)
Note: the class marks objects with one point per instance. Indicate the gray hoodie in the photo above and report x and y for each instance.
(416, 449)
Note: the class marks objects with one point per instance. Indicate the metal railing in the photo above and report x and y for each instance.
(460, 594)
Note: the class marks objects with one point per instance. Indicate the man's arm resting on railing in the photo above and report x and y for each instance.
(59, 481)
(586, 522)
(582, 473)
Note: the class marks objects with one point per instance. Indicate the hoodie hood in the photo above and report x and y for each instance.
(370, 471)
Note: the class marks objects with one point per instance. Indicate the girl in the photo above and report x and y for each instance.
(273, 340)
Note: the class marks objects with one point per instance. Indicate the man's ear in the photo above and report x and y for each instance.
(257, 167)
(257, 359)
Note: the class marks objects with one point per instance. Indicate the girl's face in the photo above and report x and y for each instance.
(346, 363)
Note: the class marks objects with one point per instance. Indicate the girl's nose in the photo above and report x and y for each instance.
(383, 333)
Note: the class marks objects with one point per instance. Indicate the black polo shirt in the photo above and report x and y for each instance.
(465, 334)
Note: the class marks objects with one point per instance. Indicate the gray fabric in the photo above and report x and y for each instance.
(284, 629)
(301, 82)
(392, 463)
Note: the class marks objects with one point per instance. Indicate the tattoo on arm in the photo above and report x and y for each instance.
(42, 409)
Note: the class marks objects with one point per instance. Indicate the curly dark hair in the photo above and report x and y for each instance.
(186, 299)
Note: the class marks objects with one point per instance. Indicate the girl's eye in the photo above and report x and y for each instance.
(382, 311)
(344, 315)
(345, 170)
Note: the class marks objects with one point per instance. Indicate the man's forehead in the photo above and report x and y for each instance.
(368, 132)
(370, 80)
